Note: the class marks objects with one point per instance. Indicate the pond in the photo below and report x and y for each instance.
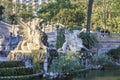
(96, 75)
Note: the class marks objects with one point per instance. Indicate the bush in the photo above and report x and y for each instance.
(38, 66)
(15, 71)
(89, 40)
(9, 64)
(114, 53)
(60, 38)
(37, 60)
(100, 59)
(27, 77)
(65, 63)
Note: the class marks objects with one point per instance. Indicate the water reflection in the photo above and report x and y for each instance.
(97, 75)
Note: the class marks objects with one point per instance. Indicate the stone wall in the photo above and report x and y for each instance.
(108, 42)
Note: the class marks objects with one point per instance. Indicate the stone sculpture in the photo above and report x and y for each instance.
(72, 42)
(33, 40)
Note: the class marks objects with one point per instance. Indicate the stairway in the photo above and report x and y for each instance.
(16, 70)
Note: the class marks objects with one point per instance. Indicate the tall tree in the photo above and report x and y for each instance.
(1, 11)
(89, 15)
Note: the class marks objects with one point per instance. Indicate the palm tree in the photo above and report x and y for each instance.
(89, 15)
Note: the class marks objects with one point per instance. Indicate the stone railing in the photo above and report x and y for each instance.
(108, 37)
(107, 41)
(48, 29)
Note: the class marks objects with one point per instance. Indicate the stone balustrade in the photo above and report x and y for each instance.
(105, 36)
(107, 42)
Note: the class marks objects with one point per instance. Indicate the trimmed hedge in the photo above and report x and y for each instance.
(15, 71)
(26, 77)
(60, 38)
(114, 53)
(10, 64)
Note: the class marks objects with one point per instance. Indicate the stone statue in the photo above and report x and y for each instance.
(72, 42)
(33, 39)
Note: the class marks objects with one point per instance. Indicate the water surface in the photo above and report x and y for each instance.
(96, 75)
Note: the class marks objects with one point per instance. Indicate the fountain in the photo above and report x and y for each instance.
(33, 41)
(72, 42)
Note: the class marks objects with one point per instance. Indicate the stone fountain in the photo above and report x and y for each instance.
(75, 44)
(33, 41)
(72, 42)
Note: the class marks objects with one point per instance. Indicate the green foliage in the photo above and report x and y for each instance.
(114, 53)
(17, 9)
(100, 59)
(12, 19)
(70, 17)
(8, 5)
(27, 77)
(26, 15)
(15, 71)
(38, 66)
(72, 12)
(37, 59)
(65, 63)
(8, 69)
(89, 40)
(10, 64)
(60, 38)
(107, 13)
(1, 11)
(63, 11)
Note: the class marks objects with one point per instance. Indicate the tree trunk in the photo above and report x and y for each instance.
(89, 15)
(33, 6)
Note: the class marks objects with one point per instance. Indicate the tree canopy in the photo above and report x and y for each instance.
(105, 13)
(63, 11)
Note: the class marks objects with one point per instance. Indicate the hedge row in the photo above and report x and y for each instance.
(114, 53)
(15, 71)
(10, 64)
(30, 77)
